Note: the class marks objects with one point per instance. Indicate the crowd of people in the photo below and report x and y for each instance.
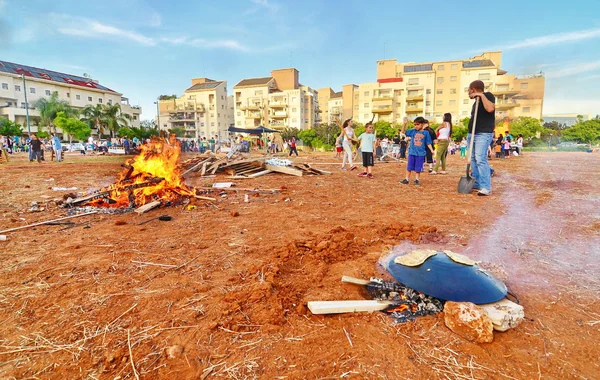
(427, 149)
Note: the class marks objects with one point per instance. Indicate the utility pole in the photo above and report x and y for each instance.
(26, 105)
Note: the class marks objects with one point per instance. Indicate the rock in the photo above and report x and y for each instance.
(174, 351)
(321, 246)
(235, 213)
(469, 321)
(504, 314)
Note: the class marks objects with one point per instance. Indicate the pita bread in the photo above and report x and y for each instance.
(461, 259)
(415, 258)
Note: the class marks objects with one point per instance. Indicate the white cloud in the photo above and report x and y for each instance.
(551, 39)
(203, 43)
(94, 29)
(574, 69)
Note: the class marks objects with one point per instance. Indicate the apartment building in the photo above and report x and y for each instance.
(277, 102)
(434, 88)
(202, 111)
(41, 83)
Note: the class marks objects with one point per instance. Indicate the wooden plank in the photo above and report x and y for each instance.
(147, 207)
(355, 281)
(336, 307)
(48, 221)
(261, 173)
(325, 172)
(196, 166)
(254, 169)
(203, 169)
(284, 170)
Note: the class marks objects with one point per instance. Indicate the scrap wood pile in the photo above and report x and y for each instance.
(244, 168)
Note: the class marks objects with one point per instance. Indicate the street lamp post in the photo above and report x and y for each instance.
(157, 115)
(26, 105)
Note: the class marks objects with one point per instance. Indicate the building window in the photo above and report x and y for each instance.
(484, 76)
(440, 67)
(218, 115)
(427, 103)
(89, 98)
(453, 78)
(100, 100)
(238, 123)
(428, 91)
(453, 91)
(366, 105)
(212, 124)
(202, 124)
(413, 81)
(134, 117)
(221, 97)
(439, 103)
(466, 89)
(453, 102)
(306, 121)
(5, 86)
(69, 95)
(293, 99)
(109, 101)
(524, 85)
(239, 113)
(222, 106)
(78, 97)
(356, 96)
(294, 120)
(219, 125)
(440, 80)
(526, 109)
(294, 109)
(454, 66)
(22, 104)
(32, 90)
(17, 87)
(439, 92)
(356, 108)
(465, 101)
(366, 94)
(212, 115)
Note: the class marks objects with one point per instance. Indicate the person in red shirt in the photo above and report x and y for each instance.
(293, 146)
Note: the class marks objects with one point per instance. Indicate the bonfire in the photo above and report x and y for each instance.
(153, 175)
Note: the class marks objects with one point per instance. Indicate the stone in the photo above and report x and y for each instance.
(469, 321)
(174, 351)
(504, 314)
(321, 246)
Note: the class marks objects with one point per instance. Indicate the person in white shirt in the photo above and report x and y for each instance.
(349, 136)
(444, 133)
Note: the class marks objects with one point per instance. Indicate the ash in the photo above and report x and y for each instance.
(101, 210)
(410, 303)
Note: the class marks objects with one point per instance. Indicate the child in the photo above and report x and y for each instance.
(419, 142)
(507, 147)
(498, 149)
(367, 147)
(463, 148)
(338, 146)
(403, 145)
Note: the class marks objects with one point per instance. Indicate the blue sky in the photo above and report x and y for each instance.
(147, 48)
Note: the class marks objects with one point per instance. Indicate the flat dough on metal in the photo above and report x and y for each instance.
(461, 259)
(415, 258)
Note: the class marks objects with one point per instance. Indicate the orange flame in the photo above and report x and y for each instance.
(157, 160)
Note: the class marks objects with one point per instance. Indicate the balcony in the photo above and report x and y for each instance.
(335, 111)
(382, 95)
(506, 105)
(414, 97)
(382, 110)
(508, 92)
(253, 116)
(251, 107)
(279, 115)
(277, 105)
(414, 109)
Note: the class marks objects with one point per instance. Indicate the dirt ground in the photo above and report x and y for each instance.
(213, 295)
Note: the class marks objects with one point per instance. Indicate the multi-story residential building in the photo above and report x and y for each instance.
(278, 101)
(434, 88)
(41, 83)
(202, 110)
(568, 119)
(231, 111)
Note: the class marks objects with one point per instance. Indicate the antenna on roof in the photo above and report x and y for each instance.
(86, 75)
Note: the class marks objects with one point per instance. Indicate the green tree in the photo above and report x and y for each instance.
(114, 118)
(178, 132)
(309, 137)
(72, 126)
(584, 131)
(327, 132)
(554, 125)
(385, 129)
(50, 107)
(288, 133)
(167, 97)
(10, 128)
(94, 117)
(529, 127)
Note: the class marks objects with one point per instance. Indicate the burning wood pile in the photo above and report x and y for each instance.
(154, 176)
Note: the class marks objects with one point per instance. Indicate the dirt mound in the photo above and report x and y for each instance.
(421, 234)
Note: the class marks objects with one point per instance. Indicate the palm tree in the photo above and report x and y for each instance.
(94, 117)
(50, 107)
(115, 119)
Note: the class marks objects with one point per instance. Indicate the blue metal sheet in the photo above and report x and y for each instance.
(448, 280)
